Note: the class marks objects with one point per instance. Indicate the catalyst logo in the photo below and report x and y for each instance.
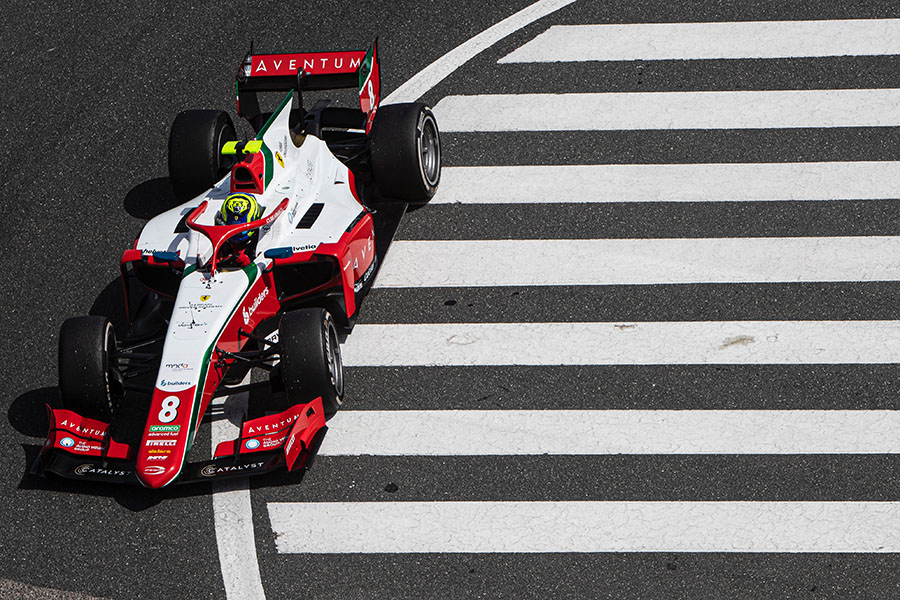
(213, 470)
(89, 469)
(248, 311)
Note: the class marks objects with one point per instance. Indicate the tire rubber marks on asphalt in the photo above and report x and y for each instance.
(526, 527)
(723, 182)
(594, 432)
(670, 110)
(686, 41)
(640, 261)
(642, 343)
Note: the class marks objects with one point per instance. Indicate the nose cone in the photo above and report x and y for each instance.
(157, 475)
(166, 434)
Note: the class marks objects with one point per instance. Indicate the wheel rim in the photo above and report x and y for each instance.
(333, 356)
(430, 152)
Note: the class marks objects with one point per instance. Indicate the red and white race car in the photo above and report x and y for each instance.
(131, 408)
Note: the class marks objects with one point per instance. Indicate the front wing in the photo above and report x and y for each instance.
(82, 448)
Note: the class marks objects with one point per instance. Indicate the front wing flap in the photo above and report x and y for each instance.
(81, 448)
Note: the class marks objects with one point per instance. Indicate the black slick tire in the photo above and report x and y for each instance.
(311, 359)
(87, 382)
(195, 149)
(405, 152)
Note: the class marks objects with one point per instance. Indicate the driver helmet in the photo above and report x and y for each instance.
(239, 208)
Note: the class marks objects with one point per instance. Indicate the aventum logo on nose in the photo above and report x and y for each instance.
(248, 312)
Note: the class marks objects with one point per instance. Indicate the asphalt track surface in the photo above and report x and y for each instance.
(90, 92)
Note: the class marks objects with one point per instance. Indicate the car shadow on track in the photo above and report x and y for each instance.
(152, 197)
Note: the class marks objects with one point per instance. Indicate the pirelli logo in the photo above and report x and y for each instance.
(161, 442)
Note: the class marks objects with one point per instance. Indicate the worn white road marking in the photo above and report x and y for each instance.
(721, 182)
(17, 590)
(527, 527)
(670, 110)
(430, 76)
(685, 41)
(232, 513)
(588, 432)
(479, 263)
(641, 343)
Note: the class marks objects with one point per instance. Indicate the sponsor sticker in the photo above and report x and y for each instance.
(248, 311)
(165, 427)
(89, 469)
(160, 442)
(183, 366)
(67, 442)
(279, 159)
(154, 470)
(156, 457)
(251, 444)
(77, 427)
(204, 298)
(164, 383)
(213, 470)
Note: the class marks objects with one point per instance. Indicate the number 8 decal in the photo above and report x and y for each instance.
(169, 409)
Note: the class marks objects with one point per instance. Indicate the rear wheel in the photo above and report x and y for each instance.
(311, 359)
(195, 149)
(405, 149)
(89, 380)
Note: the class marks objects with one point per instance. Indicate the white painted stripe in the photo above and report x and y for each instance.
(720, 182)
(592, 432)
(430, 76)
(528, 527)
(644, 343)
(670, 110)
(685, 41)
(487, 263)
(232, 512)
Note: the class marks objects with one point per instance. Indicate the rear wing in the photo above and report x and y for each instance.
(311, 71)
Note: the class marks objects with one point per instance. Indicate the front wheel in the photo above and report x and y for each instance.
(89, 381)
(405, 149)
(195, 149)
(311, 359)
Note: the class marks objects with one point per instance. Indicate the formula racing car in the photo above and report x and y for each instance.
(315, 198)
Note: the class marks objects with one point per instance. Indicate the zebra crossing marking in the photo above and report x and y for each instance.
(670, 110)
(583, 526)
(489, 263)
(593, 432)
(711, 182)
(687, 41)
(641, 343)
